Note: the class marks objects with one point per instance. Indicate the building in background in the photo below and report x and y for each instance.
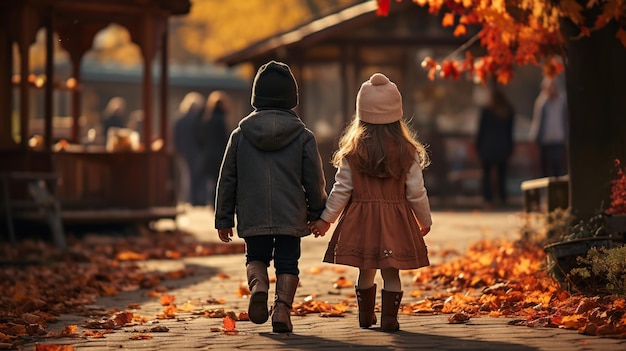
(333, 55)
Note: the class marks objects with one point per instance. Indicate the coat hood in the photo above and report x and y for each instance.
(271, 130)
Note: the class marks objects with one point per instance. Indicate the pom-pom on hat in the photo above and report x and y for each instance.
(379, 101)
(274, 86)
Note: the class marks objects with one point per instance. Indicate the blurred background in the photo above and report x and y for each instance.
(112, 51)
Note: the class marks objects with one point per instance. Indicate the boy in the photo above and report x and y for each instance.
(272, 179)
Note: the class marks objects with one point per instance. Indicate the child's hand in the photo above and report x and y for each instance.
(425, 230)
(225, 234)
(319, 227)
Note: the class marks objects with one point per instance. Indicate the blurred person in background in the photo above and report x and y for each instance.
(114, 116)
(494, 145)
(187, 150)
(212, 135)
(549, 127)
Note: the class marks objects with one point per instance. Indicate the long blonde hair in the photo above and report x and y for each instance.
(369, 145)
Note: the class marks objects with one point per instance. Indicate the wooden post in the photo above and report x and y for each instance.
(24, 46)
(49, 86)
(164, 122)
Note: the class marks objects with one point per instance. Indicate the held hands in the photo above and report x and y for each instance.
(319, 227)
(225, 234)
(425, 230)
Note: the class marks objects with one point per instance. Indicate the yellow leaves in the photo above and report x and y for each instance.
(325, 309)
(573, 322)
(214, 27)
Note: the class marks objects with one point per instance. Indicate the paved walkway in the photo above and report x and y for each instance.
(312, 332)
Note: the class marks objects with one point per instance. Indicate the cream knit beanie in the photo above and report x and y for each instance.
(379, 101)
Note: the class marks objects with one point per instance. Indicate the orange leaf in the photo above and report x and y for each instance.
(45, 347)
(140, 337)
(460, 30)
(458, 318)
(243, 290)
(448, 20)
(167, 300)
(130, 256)
(69, 330)
(576, 321)
(94, 334)
(122, 318)
(223, 276)
(170, 311)
(153, 293)
(228, 325)
(342, 282)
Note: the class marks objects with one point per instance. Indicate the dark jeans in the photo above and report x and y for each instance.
(553, 160)
(500, 168)
(284, 249)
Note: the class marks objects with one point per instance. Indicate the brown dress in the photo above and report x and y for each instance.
(378, 229)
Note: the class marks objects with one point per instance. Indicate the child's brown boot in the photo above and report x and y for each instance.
(389, 313)
(259, 284)
(286, 285)
(366, 299)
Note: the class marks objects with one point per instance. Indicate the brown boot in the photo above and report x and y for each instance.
(286, 285)
(366, 299)
(389, 313)
(259, 284)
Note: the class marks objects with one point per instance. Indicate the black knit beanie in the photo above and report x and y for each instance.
(274, 86)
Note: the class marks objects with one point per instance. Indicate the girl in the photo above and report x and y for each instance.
(380, 189)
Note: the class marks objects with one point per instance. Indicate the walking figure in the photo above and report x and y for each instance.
(379, 192)
(271, 178)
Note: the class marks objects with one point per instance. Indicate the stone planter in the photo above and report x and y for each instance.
(562, 258)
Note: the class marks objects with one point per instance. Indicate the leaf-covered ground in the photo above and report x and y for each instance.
(497, 279)
(39, 283)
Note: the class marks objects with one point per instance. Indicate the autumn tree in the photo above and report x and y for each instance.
(215, 27)
(585, 37)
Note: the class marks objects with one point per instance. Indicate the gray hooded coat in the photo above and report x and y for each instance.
(271, 177)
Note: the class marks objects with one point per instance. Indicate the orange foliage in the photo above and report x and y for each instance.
(516, 33)
(508, 279)
(32, 295)
(54, 347)
(228, 326)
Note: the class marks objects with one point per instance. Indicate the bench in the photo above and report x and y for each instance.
(545, 194)
(32, 202)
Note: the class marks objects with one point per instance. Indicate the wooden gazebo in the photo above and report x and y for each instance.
(92, 184)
